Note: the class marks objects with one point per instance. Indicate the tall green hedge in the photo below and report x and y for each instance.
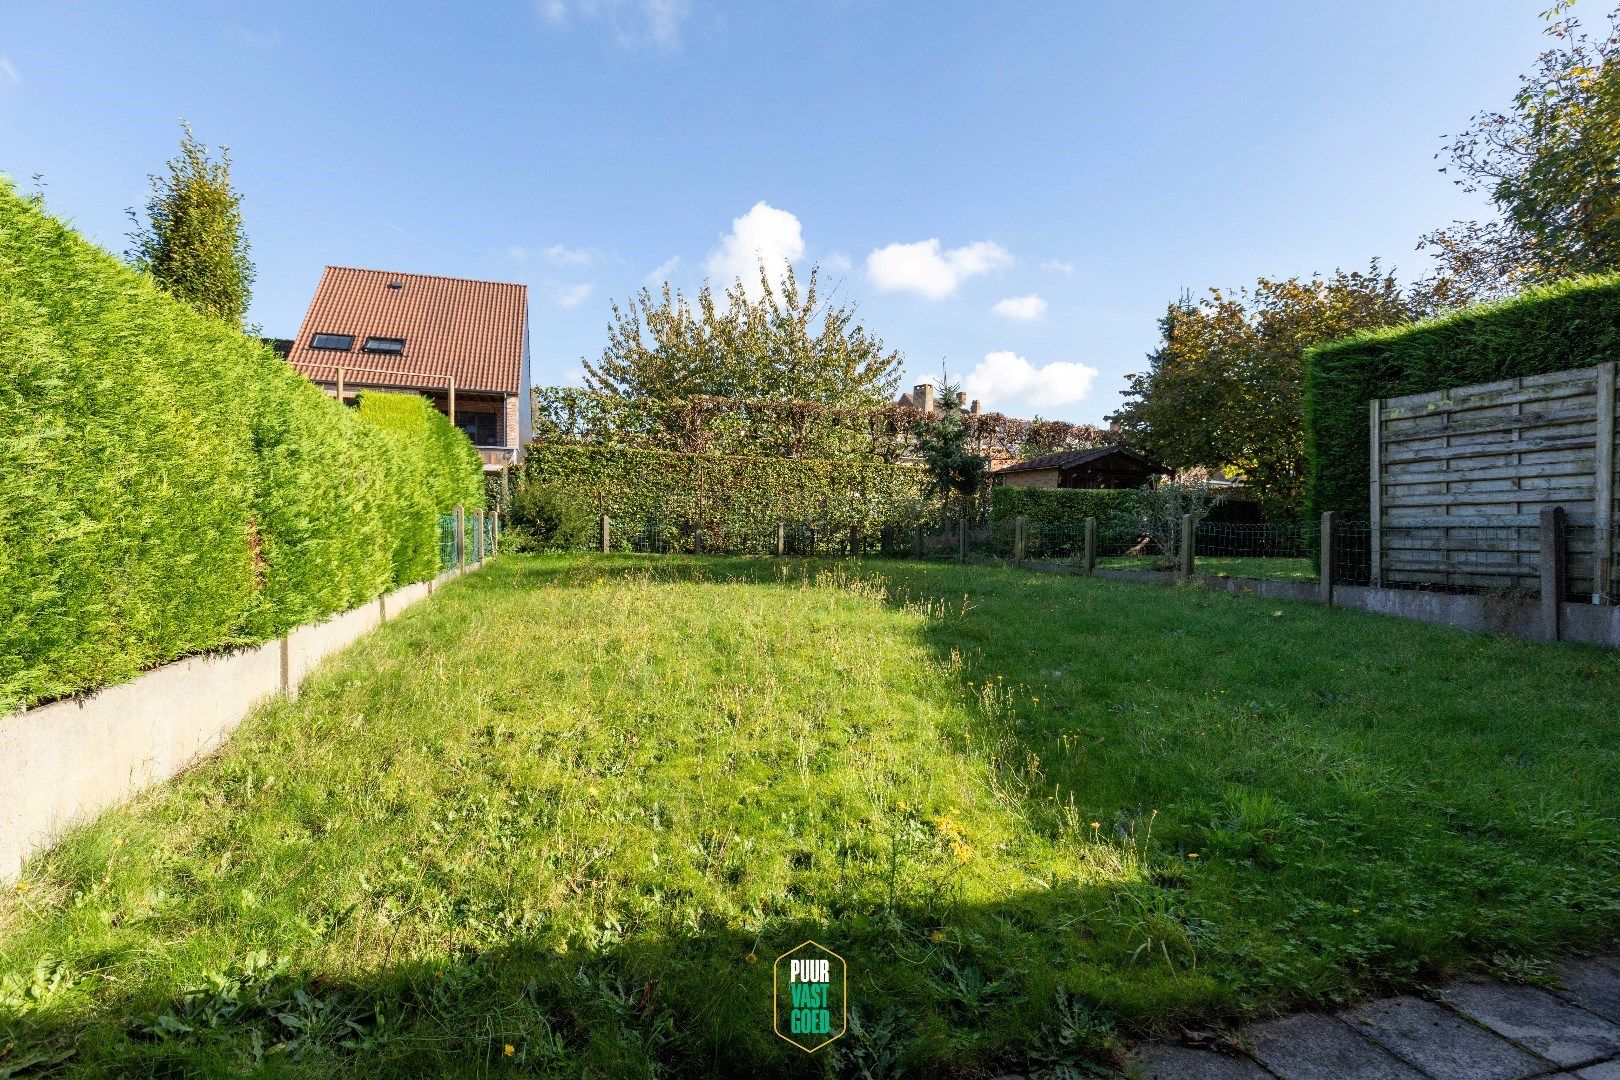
(426, 445)
(167, 484)
(1057, 517)
(731, 500)
(1570, 325)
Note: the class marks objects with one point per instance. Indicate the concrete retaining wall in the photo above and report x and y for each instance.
(64, 763)
(1588, 624)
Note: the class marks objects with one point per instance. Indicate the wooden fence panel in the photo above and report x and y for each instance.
(1462, 476)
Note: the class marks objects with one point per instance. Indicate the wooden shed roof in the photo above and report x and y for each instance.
(1068, 459)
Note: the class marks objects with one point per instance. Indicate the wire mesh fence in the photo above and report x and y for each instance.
(447, 541)
(1502, 560)
(1351, 552)
(1287, 551)
(1590, 578)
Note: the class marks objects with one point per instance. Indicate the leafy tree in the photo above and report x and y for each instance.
(956, 474)
(193, 242)
(785, 344)
(1550, 163)
(1224, 387)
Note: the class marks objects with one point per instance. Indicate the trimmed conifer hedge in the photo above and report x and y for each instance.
(735, 501)
(426, 446)
(1569, 325)
(167, 484)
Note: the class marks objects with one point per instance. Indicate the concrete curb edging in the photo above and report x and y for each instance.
(1587, 624)
(64, 763)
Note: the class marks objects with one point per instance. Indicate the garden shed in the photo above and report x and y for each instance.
(1109, 467)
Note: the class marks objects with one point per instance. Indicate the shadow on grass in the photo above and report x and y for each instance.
(923, 982)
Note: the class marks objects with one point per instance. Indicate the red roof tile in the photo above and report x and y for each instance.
(471, 330)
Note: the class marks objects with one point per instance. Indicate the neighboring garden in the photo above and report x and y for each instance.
(561, 819)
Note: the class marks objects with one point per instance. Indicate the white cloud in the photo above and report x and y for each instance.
(764, 235)
(570, 296)
(557, 255)
(1021, 308)
(838, 261)
(567, 256)
(1003, 378)
(633, 22)
(8, 73)
(929, 270)
(662, 272)
(1062, 267)
(255, 37)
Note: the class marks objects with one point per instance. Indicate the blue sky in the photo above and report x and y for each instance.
(944, 162)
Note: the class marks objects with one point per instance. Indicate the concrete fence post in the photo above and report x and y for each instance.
(461, 539)
(812, 541)
(478, 548)
(961, 538)
(1325, 568)
(1184, 552)
(1554, 571)
(1020, 538)
(1090, 558)
(496, 549)
(607, 534)
(781, 539)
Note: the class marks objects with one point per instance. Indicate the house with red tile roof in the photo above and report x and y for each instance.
(464, 345)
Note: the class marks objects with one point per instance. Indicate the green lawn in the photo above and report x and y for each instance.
(575, 806)
(1219, 566)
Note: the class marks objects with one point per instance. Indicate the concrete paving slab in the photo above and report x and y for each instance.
(1168, 1061)
(1593, 985)
(1533, 1018)
(1441, 1043)
(1311, 1046)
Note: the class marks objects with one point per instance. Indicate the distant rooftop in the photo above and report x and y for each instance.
(387, 328)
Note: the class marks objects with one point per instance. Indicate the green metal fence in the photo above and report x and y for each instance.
(447, 541)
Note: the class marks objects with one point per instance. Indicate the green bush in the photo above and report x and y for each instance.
(1057, 517)
(735, 502)
(550, 517)
(1570, 325)
(423, 443)
(167, 484)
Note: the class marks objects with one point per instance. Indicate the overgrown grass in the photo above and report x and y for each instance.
(1222, 566)
(574, 806)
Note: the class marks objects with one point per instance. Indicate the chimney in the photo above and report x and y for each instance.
(961, 398)
(922, 395)
(975, 409)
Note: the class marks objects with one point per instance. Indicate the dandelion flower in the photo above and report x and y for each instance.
(751, 958)
(937, 936)
(1096, 824)
(1192, 854)
(508, 1049)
